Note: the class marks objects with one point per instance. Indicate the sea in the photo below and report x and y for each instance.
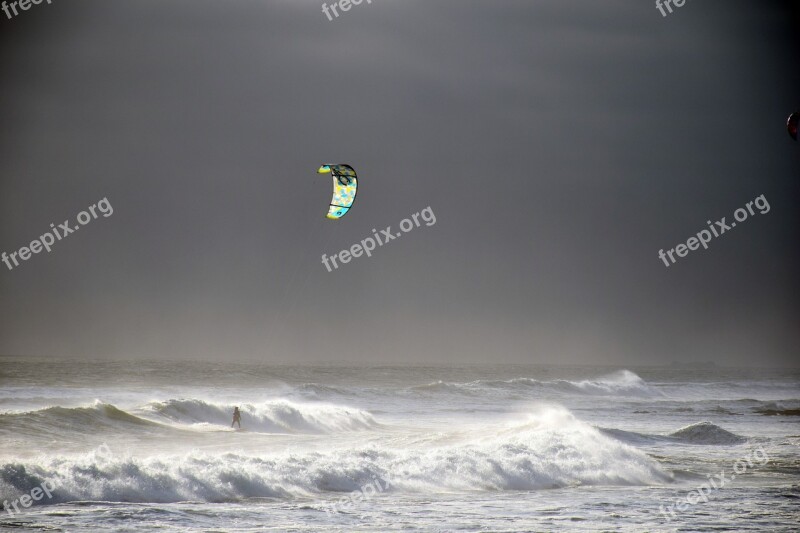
(101, 446)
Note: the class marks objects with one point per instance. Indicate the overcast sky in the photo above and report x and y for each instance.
(560, 144)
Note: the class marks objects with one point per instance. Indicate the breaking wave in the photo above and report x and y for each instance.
(276, 416)
(621, 383)
(550, 449)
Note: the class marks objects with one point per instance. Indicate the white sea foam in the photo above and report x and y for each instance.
(549, 449)
(274, 416)
(621, 383)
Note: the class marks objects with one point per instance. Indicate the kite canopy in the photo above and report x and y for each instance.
(792, 123)
(345, 185)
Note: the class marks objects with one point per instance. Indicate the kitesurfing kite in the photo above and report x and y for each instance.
(792, 123)
(345, 184)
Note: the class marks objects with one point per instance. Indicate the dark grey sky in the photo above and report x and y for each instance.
(560, 144)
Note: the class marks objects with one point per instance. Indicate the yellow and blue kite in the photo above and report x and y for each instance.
(345, 185)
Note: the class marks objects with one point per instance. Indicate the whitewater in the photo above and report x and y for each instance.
(148, 446)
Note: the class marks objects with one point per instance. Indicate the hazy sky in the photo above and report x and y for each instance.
(560, 144)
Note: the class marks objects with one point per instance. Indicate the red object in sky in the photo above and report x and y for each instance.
(791, 124)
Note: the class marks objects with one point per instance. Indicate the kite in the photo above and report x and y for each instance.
(791, 124)
(345, 184)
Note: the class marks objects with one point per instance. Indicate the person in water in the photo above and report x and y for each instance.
(237, 417)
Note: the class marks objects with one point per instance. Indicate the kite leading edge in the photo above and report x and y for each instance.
(345, 186)
(792, 124)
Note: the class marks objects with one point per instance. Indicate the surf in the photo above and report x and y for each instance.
(547, 448)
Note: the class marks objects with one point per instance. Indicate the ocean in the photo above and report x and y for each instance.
(148, 446)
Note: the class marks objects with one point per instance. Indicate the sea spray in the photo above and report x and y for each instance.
(549, 448)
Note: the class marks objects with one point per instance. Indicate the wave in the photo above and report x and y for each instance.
(706, 433)
(632, 437)
(700, 433)
(779, 409)
(96, 417)
(275, 416)
(779, 412)
(737, 407)
(551, 449)
(621, 383)
(320, 391)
